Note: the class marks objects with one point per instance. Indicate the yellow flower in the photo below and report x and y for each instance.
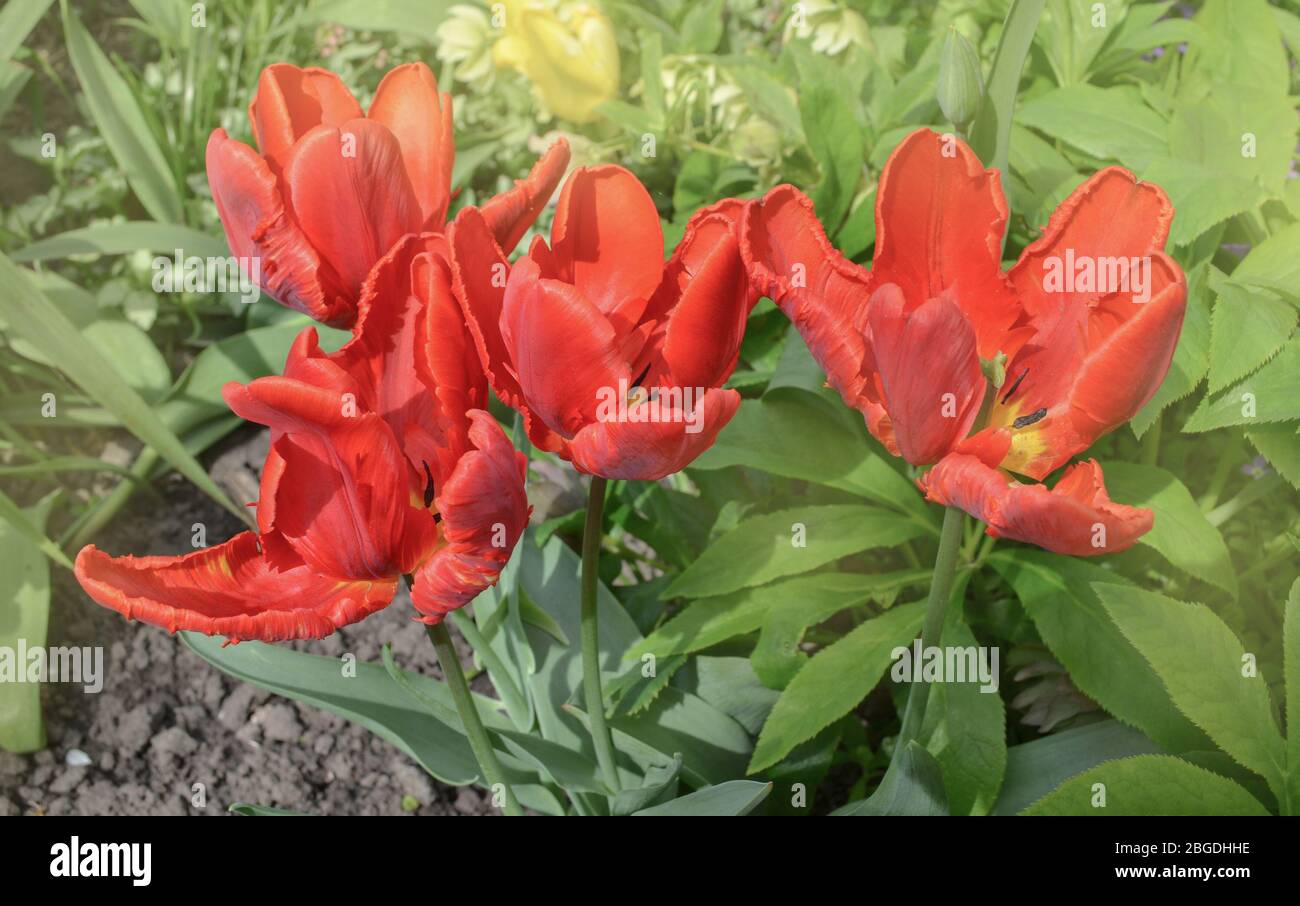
(567, 50)
(465, 41)
(829, 26)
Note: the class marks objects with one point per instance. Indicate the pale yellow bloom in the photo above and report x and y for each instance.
(567, 50)
(831, 27)
(465, 40)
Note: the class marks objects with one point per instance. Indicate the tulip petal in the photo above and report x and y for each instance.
(930, 378)
(707, 293)
(606, 237)
(484, 513)
(940, 217)
(229, 590)
(791, 261)
(665, 437)
(1077, 517)
(564, 351)
(408, 103)
(511, 213)
(290, 102)
(1097, 352)
(342, 496)
(257, 225)
(351, 196)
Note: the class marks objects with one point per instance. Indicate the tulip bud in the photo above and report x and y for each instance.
(961, 83)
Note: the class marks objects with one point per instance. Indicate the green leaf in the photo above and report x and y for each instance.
(1273, 264)
(764, 548)
(417, 18)
(16, 518)
(24, 619)
(659, 784)
(133, 355)
(833, 682)
(1181, 533)
(1291, 660)
(836, 142)
(1247, 329)
(374, 700)
(1280, 445)
(735, 797)
(990, 135)
(1204, 668)
(1201, 196)
(702, 27)
(16, 22)
(1108, 123)
(776, 657)
(913, 786)
(707, 621)
(1057, 594)
(1191, 357)
(122, 124)
(1036, 768)
(1148, 785)
(965, 730)
(32, 316)
(790, 434)
(123, 238)
(265, 811)
(1266, 396)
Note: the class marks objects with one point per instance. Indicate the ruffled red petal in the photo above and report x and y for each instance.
(258, 225)
(229, 590)
(290, 102)
(484, 512)
(510, 214)
(1077, 517)
(655, 437)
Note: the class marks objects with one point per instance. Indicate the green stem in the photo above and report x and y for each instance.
(591, 534)
(478, 738)
(936, 608)
(1150, 449)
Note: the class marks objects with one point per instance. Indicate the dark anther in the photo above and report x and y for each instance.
(641, 377)
(1026, 420)
(1015, 386)
(428, 485)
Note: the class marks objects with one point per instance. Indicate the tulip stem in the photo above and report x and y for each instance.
(936, 609)
(600, 736)
(484, 754)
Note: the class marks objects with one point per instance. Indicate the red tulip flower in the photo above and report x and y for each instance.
(382, 463)
(1083, 326)
(615, 358)
(335, 188)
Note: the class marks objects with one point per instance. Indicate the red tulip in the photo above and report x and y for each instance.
(382, 463)
(615, 358)
(1087, 321)
(335, 188)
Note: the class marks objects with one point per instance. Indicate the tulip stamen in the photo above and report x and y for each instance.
(1026, 420)
(1014, 386)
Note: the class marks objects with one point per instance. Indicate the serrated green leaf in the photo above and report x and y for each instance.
(1274, 264)
(965, 729)
(1108, 123)
(1104, 665)
(1246, 330)
(1202, 665)
(1280, 445)
(763, 548)
(834, 681)
(1266, 396)
(1148, 785)
(1181, 533)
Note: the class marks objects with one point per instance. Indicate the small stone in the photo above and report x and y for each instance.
(278, 722)
(76, 758)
